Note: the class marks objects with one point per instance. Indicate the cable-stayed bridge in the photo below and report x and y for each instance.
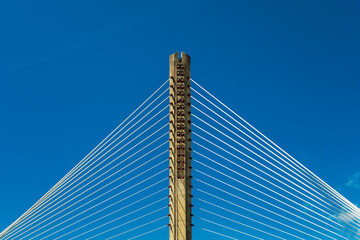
(184, 165)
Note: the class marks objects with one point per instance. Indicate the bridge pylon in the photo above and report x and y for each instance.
(180, 149)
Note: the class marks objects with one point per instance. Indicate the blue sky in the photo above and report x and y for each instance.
(71, 71)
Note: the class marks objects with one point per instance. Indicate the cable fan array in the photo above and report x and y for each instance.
(244, 185)
(118, 191)
(247, 187)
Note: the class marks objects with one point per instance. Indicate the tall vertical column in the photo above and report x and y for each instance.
(180, 148)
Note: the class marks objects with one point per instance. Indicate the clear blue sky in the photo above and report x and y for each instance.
(70, 71)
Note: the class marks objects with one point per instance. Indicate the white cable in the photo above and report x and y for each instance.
(158, 219)
(256, 205)
(93, 157)
(69, 174)
(220, 234)
(277, 199)
(240, 223)
(342, 198)
(353, 208)
(229, 169)
(117, 179)
(278, 174)
(166, 107)
(106, 165)
(220, 225)
(87, 216)
(92, 206)
(342, 212)
(148, 196)
(73, 169)
(107, 158)
(122, 216)
(243, 216)
(270, 182)
(276, 206)
(147, 232)
(115, 151)
(271, 177)
(125, 215)
(107, 171)
(144, 116)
